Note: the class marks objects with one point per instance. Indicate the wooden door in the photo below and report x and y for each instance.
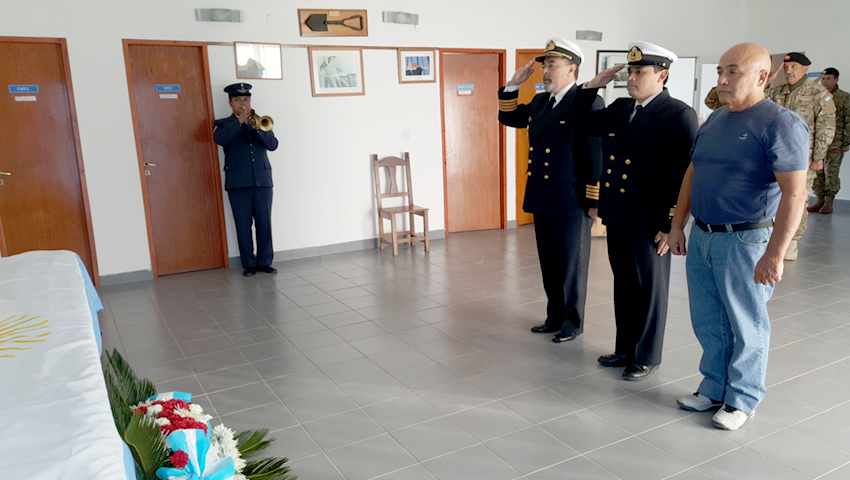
(178, 161)
(43, 199)
(527, 91)
(473, 140)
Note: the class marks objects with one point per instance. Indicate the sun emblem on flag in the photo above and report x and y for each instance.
(21, 333)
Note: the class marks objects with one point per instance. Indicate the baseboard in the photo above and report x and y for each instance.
(126, 277)
(308, 252)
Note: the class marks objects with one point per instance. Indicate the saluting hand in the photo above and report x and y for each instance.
(604, 77)
(522, 74)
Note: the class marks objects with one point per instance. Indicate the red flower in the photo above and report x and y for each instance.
(142, 410)
(179, 459)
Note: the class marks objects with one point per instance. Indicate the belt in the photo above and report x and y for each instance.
(735, 227)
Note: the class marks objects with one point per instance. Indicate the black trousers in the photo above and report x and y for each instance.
(563, 245)
(253, 206)
(641, 288)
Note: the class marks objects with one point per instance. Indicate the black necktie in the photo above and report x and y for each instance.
(549, 106)
(637, 109)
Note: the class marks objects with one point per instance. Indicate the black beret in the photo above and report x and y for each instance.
(238, 90)
(831, 71)
(797, 57)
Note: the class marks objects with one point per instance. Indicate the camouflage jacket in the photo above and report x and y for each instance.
(813, 102)
(842, 118)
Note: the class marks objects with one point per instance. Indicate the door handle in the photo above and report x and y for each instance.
(148, 164)
(8, 174)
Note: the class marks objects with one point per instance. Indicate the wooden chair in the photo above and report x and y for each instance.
(391, 164)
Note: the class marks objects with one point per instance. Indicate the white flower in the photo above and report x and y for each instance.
(226, 444)
(165, 396)
(155, 409)
(196, 409)
(194, 414)
(162, 421)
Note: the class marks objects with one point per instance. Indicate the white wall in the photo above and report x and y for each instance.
(323, 186)
(819, 28)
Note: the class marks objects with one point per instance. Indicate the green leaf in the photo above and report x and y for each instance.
(251, 442)
(268, 469)
(148, 446)
(124, 388)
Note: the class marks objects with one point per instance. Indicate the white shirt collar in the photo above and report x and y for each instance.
(560, 95)
(649, 99)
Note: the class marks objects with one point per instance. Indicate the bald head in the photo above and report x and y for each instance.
(742, 75)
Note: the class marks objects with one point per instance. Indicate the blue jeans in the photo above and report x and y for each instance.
(729, 314)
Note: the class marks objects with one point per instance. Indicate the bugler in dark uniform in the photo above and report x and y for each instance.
(563, 170)
(646, 143)
(248, 178)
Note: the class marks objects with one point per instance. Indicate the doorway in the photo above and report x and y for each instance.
(172, 110)
(44, 201)
(473, 139)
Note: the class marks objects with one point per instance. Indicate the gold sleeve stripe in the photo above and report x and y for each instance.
(592, 191)
(673, 211)
(508, 105)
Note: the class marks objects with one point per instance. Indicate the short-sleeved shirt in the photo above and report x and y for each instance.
(735, 155)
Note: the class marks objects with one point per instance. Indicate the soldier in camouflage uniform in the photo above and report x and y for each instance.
(814, 104)
(828, 183)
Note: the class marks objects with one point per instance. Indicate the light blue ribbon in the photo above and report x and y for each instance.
(186, 397)
(203, 463)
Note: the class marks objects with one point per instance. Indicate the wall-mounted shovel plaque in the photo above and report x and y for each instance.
(333, 23)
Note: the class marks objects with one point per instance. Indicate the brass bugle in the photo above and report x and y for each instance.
(264, 123)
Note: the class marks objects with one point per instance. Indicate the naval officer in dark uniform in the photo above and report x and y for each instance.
(646, 143)
(561, 189)
(248, 178)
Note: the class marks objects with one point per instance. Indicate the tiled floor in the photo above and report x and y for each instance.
(422, 367)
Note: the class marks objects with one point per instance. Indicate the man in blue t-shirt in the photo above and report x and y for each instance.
(745, 187)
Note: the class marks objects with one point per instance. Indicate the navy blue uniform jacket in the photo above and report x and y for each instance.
(246, 163)
(643, 160)
(564, 163)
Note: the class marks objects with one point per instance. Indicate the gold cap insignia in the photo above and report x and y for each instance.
(787, 57)
(635, 55)
(550, 46)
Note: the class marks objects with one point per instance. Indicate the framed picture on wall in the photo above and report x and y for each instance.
(416, 66)
(336, 71)
(258, 61)
(609, 58)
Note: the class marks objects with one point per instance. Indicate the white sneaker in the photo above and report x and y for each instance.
(697, 403)
(791, 253)
(730, 418)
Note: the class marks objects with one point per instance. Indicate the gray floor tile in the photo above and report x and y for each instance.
(579, 468)
(530, 450)
(402, 412)
(317, 466)
(476, 463)
(454, 397)
(274, 416)
(353, 371)
(228, 378)
(691, 443)
(242, 398)
(489, 421)
(433, 438)
(800, 452)
(584, 431)
(745, 463)
(302, 383)
(343, 429)
(541, 405)
(370, 458)
(634, 458)
(317, 405)
(375, 390)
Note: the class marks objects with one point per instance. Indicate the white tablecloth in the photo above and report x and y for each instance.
(54, 411)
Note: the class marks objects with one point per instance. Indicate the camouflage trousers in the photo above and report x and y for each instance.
(827, 182)
(804, 222)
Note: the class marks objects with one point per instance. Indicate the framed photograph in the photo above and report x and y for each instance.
(259, 61)
(417, 66)
(336, 71)
(609, 58)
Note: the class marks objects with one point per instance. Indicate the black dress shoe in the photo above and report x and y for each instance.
(266, 269)
(249, 272)
(563, 337)
(543, 328)
(615, 360)
(637, 371)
